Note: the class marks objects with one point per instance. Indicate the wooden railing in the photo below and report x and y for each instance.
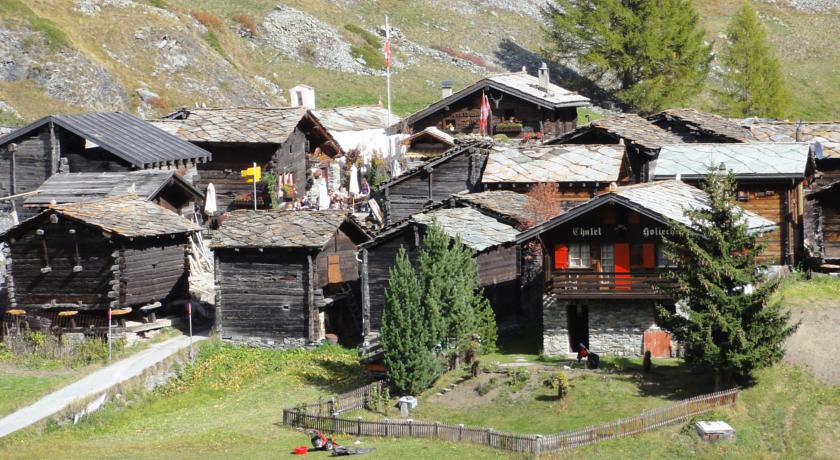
(579, 284)
(310, 416)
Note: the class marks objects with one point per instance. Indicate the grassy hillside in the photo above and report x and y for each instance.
(225, 50)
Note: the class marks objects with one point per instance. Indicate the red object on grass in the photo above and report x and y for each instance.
(301, 450)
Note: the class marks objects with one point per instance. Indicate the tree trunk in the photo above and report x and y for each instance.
(724, 380)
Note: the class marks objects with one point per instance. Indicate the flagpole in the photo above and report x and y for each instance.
(388, 82)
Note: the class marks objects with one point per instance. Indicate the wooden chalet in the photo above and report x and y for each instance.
(822, 223)
(520, 104)
(165, 188)
(119, 252)
(492, 239)
(602, 261)
(426, 145)
(287, 278)
(458, 170)
(770, 176)
(93, 142)
(279, 140)
(579, 171)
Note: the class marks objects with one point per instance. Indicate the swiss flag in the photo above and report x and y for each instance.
(485, 114)
(387, 50)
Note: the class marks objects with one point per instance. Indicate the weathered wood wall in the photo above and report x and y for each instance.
(88, 288)
(28, 167)
(290, 157)
(336, 263)
(262, 294)
(380, 260)
(778, 203)
(224, 171)
(498, 265)
(153, 269)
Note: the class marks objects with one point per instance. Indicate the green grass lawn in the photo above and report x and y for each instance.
(798, 292)
(20, 386)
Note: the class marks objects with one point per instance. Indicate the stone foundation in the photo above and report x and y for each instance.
(616, 327)
(265, 342)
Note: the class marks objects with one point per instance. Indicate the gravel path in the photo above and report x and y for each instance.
(93, 384)
(815, 344)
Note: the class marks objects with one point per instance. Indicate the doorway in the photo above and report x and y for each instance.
(577, 317)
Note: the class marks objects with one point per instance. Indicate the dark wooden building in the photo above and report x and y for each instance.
(771, 178)
(491, 238)
(520, 104)
(426, 145)
(457, 170)
(602, 260)
(119, 252)
(279, 140)
(823, 221)
(94, 142)
(165, 188)
(287, 278)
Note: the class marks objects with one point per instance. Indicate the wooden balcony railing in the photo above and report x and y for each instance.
(608, 285)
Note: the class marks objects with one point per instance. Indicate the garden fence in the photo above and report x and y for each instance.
(324, 416)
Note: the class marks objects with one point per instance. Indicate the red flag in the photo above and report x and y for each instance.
(485, 114)
(387, 50)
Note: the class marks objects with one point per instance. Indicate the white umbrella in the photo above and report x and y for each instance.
(353, 188)
(210, 200)
(323, 195)
(397, 169)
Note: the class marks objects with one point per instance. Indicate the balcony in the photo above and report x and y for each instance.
(606, 285)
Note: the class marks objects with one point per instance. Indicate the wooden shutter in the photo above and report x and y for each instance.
(334, 269)
(561, 257)
(621, 261)
(649, 255)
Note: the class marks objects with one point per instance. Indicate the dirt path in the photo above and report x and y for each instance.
(816, 345)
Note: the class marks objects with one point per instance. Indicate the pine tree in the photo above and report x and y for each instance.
(405, 331)
(754, 85)
(434, 274)
(730, 325)
(653, 49)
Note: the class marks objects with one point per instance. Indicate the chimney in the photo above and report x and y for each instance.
(543, 76)
(445, 89)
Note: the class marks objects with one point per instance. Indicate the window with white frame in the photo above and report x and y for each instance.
(579, 256)
(607, 258)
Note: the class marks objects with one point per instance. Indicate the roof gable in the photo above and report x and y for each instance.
(665, 202)
(706, 123)
(454, 152)
(477, 230)
(278, 229)
(517, 84)
(135, 141)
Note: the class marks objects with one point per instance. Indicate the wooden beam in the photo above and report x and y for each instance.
(365, 294)
(311, 308)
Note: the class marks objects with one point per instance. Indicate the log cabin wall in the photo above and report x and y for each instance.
(86, 288)
(463, 116)
(224, 171)
(25, 169)
(498, 265)
(290, 157)
(336, 263)
(153, 269)
(263, 296)
(830, 230)
(380, 260)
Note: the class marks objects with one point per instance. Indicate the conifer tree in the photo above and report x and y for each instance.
(753, 83)
(405, 331)
(653, 49)
(730, 325)
(434, 275)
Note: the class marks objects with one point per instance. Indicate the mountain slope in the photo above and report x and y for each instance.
(152, 56)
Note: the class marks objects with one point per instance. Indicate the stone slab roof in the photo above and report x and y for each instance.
(672, 198)
(563, 163)
(91, 186)
(826, 133)
(528, 84)
(241, 124)
(247, 228)
(477, 230)
(744, 160)
(355, 118)
(509, 204)
(708, 123)
(127, 216)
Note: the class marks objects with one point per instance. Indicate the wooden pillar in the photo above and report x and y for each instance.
(365, 294)
(217, 276)
(387, 206)
(311, 309)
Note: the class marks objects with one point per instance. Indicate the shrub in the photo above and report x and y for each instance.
(373, 57)
(158, 103)
(501, 138)
(213, 40)
(370, 38)
(247, 22)
(158, 4)
(484, 388)
(562, 385)
(207, 19)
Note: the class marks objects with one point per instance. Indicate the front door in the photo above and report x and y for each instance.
(577, 317)
(621, 261)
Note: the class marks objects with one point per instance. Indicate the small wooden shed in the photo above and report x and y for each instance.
(119, 252)
(286, 278)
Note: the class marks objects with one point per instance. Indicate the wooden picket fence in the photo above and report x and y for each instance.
(323, 416)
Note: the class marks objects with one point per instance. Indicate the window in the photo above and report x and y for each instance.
(662, 260)
(579, 256)
(607, 258)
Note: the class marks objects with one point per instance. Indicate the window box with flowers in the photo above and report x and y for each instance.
(508, 127)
